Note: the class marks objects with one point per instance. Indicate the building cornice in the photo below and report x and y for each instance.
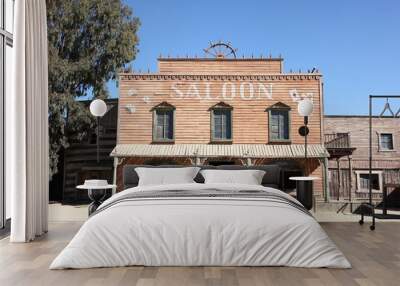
(358, 116)
(225, 77)
(220, 59)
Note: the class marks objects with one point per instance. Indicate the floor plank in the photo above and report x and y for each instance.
(375, 257)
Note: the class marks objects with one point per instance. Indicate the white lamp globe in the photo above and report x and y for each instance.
(98, 107)
(305, 107)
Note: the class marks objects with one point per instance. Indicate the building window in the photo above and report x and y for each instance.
(163, 122)
(363, 181)
(9, 15)
(6, 63)
(221, 122)
(279, 122)
(385, 142)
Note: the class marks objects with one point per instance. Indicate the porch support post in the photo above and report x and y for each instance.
(325, 181)
(199, 161)
(338, 178)
(349, 158)
(114, 190)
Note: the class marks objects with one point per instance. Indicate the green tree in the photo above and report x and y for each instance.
(89, 41)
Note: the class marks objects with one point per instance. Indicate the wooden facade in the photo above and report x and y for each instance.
(80, 158)
(194, 85)
(344, 176)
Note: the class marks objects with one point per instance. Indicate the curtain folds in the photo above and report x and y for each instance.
(27, 124)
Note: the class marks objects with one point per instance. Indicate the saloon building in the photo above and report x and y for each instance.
(220, 110)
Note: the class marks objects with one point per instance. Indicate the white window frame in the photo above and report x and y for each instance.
(380, 142)
(366, 172)
(6, 39)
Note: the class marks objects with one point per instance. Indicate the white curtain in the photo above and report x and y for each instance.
(27, 124)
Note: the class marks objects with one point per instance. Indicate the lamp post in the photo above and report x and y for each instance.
(304, 184)
(98, 108)
(305, 108)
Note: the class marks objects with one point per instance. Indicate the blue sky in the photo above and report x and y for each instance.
(354, 43)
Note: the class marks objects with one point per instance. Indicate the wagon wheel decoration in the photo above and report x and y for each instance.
(221, 50)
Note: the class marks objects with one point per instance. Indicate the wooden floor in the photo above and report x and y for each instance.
(375, 257)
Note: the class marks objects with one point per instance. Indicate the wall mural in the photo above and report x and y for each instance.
(130, 108)
(230, 91)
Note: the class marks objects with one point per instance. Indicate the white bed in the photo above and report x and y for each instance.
(185, 230)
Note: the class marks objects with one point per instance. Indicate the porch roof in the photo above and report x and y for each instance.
(219, 150)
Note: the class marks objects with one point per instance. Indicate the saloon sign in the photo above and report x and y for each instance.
(230, 91)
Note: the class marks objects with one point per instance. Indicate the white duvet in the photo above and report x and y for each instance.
(200, 231)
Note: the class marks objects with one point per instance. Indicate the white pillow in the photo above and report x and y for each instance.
(166, 176)
(248, 177)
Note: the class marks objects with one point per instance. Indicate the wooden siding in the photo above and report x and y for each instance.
(250, 120)
(386, 161)
(358, 129)
(192, 86)
(364, 163)
(80, 164)
(220, 66)
(80, 158)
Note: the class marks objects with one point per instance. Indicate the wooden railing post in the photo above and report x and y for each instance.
(350, 176)
(337, 140)
(338, 177)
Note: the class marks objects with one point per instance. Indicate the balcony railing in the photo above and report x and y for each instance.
(337, 140)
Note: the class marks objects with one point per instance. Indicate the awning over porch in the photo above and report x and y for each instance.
(219, 150)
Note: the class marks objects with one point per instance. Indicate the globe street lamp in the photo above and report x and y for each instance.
(304, 184)
(98, 108)
(305, 108)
